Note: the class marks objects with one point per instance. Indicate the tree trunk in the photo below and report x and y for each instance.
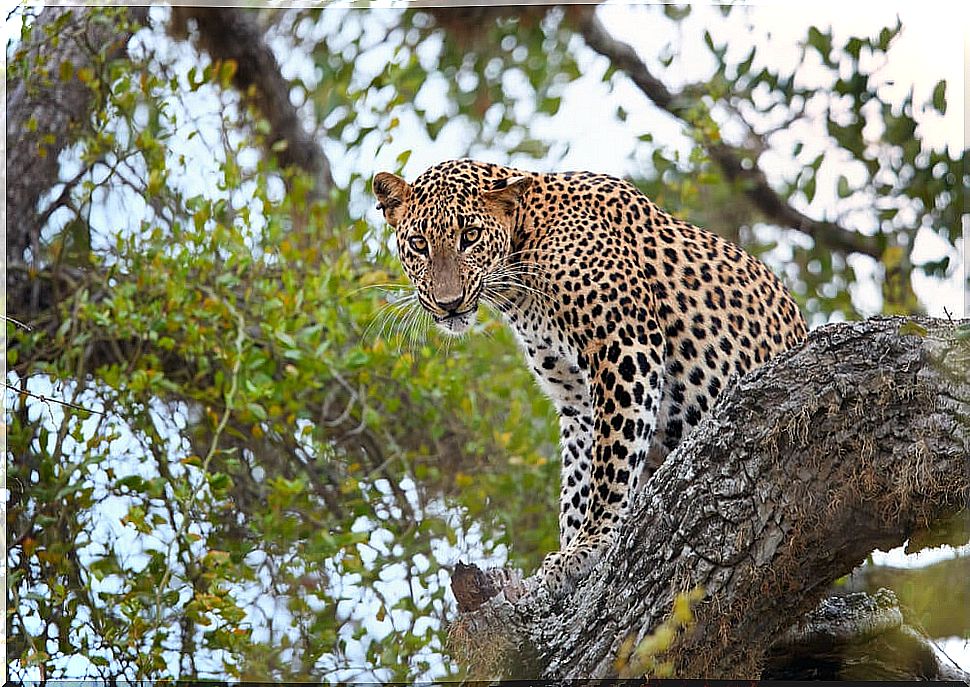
(856, 440)
(45, 113)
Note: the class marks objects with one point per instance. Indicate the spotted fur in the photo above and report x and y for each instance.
(632, 321)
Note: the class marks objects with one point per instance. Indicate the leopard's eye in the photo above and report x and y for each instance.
(469, 236)
(419, 244)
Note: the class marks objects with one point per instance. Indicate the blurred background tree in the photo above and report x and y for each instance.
(277, 462)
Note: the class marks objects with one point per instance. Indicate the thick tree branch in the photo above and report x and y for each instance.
(936, 599)
(232, 33)
(732, 161)
(856, 440)
(857, 637)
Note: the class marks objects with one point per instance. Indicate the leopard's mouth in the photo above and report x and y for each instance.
(457, 323)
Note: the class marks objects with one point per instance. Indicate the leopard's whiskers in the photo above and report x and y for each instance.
(517, 285)
(391, 286)
(409, 328)
(387, 312)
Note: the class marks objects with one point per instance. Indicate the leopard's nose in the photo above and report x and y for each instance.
(450, 305)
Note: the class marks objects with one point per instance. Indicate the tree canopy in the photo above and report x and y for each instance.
(232, 450)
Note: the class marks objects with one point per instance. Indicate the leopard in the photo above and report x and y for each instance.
(633, 321)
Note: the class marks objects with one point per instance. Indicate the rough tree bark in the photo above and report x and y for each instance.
(857, 440)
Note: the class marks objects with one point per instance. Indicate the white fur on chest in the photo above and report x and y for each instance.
(554, 362)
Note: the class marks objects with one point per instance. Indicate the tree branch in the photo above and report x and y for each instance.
(751, 179)
(856, 440)
(45, 113)
(935, 599)
(857, 637)
(232, 33)
(46, 399)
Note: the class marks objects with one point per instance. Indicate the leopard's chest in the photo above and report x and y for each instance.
(555, 362)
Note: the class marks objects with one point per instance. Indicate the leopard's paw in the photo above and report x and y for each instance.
(562, 570)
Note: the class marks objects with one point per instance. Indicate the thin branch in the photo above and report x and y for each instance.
(731, 160)
(46, 399)
(22, 325)
(933, 599)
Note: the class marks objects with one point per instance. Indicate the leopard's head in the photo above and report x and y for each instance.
(454, 228)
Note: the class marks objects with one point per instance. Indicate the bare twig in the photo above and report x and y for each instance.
(45, 399)
(26, 327)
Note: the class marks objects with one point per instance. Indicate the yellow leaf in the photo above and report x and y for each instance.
(29, 546)
(893, 256)
(912, 329)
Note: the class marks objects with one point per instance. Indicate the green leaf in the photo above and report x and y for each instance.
(745, 66)
(809, 189)
(257, 410)
(843, 188)
(911, 328)
(822, 42)
(939, 97)
(854, 47)
(885, 37)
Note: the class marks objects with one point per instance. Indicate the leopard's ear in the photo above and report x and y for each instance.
(508, 196)
(392, 194)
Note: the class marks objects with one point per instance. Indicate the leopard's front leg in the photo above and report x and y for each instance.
(576, 439)
(625, 378)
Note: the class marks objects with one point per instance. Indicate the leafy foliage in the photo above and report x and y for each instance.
(279, 461)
